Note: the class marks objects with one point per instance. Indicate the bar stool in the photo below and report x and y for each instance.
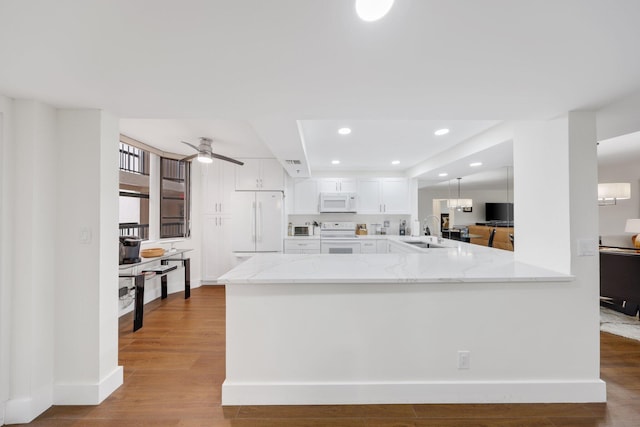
(491, 236)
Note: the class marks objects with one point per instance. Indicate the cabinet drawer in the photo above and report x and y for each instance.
(368, 247)
(295, 246)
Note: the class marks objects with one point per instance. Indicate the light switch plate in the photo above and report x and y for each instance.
(85, 235)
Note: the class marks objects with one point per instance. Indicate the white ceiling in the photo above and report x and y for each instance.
(622, 149)
(374, 144)
(252, 68)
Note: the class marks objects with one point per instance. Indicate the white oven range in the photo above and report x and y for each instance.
(339, 238)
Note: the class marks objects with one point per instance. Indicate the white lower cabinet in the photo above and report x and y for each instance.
(217, 256)
(399, 248)
(382, 246)
(368, 247)
(302, 246)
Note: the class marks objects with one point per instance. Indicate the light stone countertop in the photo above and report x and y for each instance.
(454, 262)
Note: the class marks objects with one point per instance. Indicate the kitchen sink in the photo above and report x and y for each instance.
(420, 244)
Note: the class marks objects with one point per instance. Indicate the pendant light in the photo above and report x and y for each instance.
(459, 204)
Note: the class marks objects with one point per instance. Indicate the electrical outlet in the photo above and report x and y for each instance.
(464, 359)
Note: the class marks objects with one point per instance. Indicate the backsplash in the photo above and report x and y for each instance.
(394, 220)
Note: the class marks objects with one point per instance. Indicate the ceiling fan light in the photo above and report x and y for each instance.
(372, 10)
(204, 157)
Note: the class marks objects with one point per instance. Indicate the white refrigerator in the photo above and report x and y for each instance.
(257, 221)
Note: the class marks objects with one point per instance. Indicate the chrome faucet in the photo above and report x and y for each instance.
(439, 234)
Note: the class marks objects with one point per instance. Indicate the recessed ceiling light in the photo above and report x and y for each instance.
(441, 132)
(443, 174)
(372, 10)
(335, 162)
(395, 162)
(344, 131)
(474, 164)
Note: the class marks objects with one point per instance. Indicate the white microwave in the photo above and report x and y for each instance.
(338, 202)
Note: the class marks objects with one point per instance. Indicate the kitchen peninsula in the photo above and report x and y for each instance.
(456, 323)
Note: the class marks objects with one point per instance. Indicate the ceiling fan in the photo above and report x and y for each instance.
(205, 154)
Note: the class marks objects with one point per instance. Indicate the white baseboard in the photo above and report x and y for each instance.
(26, 409)
(413, 392)
(88, 393)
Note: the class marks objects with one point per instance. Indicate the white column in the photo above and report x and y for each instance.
(6, 250)
(556, 214)
(33, 245)
(86, 321)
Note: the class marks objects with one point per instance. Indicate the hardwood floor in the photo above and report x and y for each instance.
(174, 367)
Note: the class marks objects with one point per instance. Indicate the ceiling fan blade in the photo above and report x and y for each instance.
(191, 145)
(228, 159)
(186, 159)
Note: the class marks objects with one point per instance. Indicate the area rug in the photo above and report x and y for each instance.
(619, 324)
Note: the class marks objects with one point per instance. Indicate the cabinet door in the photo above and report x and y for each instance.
(329, 185)
(382, 246)
(248, 175)
(305, 196)
(216, 246)
(209, 241)
(271, 175)
(226, 187)
(395, 195)
(224, 254)
(369, 196)
(348, 186)
(209, 190)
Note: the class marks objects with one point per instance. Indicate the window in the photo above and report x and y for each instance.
(134, 191)
(175, 195)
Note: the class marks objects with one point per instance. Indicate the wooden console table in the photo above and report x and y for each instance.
(147, 265)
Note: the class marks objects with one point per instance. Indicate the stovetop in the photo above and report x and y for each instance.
(338, 230)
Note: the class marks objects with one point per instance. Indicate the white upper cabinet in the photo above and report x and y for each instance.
(337, 185)
(260, 174)
(218, 185)
(383, 195)
(395, 195)
(305, 196)
(369, 196)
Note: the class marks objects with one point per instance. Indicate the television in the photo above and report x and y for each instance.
(498, 212)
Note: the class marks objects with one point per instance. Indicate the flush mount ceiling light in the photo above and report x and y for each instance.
(344, 131)
(475, 164)
(204, 157)
(609, 193)
(395, 162)
(443, 174)
(441, 132)
(335, 162)
(372, 10)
